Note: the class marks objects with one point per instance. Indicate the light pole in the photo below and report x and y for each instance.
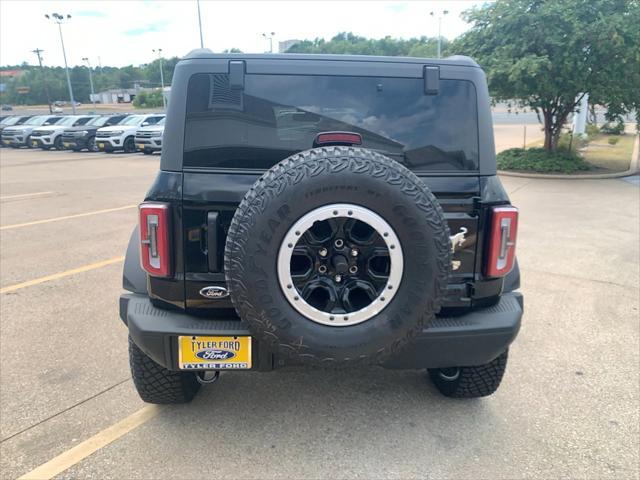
(200, 24)
(440, 15)
(57, 18)
(90, 81)
(164, 101)
(37, 51)
(270, 38)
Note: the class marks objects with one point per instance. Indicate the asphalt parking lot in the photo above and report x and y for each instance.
(568, 407)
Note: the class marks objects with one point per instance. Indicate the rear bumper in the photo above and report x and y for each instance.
(472, 339)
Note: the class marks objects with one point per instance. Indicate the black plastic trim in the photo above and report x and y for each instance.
(134, 278)
(212, 241)
(431, 79)
(472, 339)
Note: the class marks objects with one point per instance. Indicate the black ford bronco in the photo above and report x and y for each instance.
(327, 211)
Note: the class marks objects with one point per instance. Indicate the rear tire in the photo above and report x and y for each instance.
(470, 382)
(156, 384)
(57, 143)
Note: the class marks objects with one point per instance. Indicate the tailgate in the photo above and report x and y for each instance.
(210, 200)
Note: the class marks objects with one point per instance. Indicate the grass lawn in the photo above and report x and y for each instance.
(615, 158)
(599, 154)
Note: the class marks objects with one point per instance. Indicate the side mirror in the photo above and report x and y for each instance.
(144, 124)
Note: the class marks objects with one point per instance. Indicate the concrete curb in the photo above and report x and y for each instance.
(634, 168)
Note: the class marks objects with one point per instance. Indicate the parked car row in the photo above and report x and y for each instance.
(108, 133)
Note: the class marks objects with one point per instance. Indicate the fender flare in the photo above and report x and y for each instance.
(134, 278)
(512, 280)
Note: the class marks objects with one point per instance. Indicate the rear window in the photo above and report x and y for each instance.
(275, 116)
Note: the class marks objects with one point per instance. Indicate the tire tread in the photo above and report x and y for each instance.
(156, 384)
(295, 169)
(473, 382)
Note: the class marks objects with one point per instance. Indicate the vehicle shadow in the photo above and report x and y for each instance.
(320, 423)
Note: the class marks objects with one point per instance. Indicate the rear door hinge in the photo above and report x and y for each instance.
(431, 75)
(236, 74)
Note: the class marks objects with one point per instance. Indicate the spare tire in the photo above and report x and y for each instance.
(337, 255)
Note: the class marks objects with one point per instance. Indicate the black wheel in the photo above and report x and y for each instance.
(146, 151)
(129, 145)
(470, 382)
(91, 145)
(57, 143)
(337, 256)
(27, 143)
(156, 384)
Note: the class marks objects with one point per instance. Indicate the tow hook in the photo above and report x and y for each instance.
(203, 380)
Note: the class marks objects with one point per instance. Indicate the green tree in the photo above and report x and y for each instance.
(546, 54)
(146, 99)
(104, 78)
(348, 43)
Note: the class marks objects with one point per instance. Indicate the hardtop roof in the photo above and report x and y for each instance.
(205, 53)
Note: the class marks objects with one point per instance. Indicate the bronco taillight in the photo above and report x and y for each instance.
(502, 241)
(155, 239)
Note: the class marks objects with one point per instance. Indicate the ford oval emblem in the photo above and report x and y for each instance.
(214, 292)
(215, 354)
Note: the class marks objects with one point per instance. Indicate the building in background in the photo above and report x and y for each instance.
(286, 45)
(118, 95)
(9, 74)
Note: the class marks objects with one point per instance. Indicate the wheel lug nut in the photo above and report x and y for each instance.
(338, 278)
(322, 269)
(353, 269)
(323, 252)
(354, 252)
(339, 243)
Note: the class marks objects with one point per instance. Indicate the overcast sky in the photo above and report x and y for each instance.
(125, 32)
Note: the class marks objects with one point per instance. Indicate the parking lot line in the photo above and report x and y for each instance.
(100, 440)
(56, 276)
(6, 197)
(66, 217)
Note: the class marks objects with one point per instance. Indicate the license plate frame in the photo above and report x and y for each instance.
(214, 352)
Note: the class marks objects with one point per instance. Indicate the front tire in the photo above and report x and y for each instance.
(156, 384)
(470, 382)
(57, 144)
(91, 145)
(129, 145)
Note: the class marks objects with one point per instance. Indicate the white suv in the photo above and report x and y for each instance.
(49, 136)
(122, 135)
(149, 139)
